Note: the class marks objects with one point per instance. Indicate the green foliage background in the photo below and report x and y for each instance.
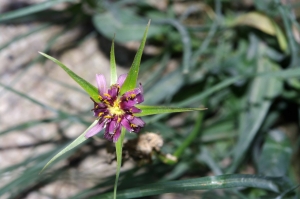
(238, 59)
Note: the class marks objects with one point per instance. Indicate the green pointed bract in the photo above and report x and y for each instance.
(113, 66)
(152, 110)
(119, 146)
(89, 88)
(130, 82)
(75, 143)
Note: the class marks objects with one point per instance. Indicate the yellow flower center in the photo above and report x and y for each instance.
(115, 108)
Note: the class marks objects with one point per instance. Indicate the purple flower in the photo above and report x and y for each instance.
(114, 111)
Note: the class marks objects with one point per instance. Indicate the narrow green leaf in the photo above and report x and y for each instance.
(282, 41)
(89, 88)
(198, 97)
(156, 72)
(220, 130)
(259, 101)
(208, 159)
(204, 183)
(191, 137)
(31, 9)
(275, 155)
(152, 110)
(130, 82)
(165, 87)
(119, 145)
(27, 179)
(177, 171)
(75, 143)
(212, 90)
(113, 66)
(186, 42)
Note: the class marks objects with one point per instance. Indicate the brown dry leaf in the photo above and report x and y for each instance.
(263, 23)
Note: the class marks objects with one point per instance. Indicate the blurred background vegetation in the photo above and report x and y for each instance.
(238, 58)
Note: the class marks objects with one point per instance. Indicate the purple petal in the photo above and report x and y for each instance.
(121, 79)
(135, 110)
(129, 117)
(117, 134)
(132, 123)
(127, 104)
(126, 124)
(111, 127)
(97, 112)
(141, 88)
(100, 112)
(100, 106)
(129, 95)
(113, 91)
(135, 94)
(139, 98)
(137, 129)
(108, 136)
(94, 130)
(101, 84)
(138, 122)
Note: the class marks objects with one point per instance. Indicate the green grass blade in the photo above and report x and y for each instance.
(26, 179)
(294, 72)
(130, 82)
(89, 88)
(113, 66)
(152, 110)
(259, 101)
(198, 97)
(186, 42)
(119, 145)
(208, 159)
(223, 84)
(288, 29)
(155, 75)
(64, 85)
(75, 143)
(244, 142)
(192, 136)
(165, 87)
(284, 74)
(275, 155)
(205, 183)
(31, 9)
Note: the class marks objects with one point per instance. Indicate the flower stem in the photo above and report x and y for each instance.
(119, 159)
(191, 136)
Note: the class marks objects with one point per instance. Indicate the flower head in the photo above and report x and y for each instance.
(114, 111)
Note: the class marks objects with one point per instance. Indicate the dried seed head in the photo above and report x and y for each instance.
(148, 142)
